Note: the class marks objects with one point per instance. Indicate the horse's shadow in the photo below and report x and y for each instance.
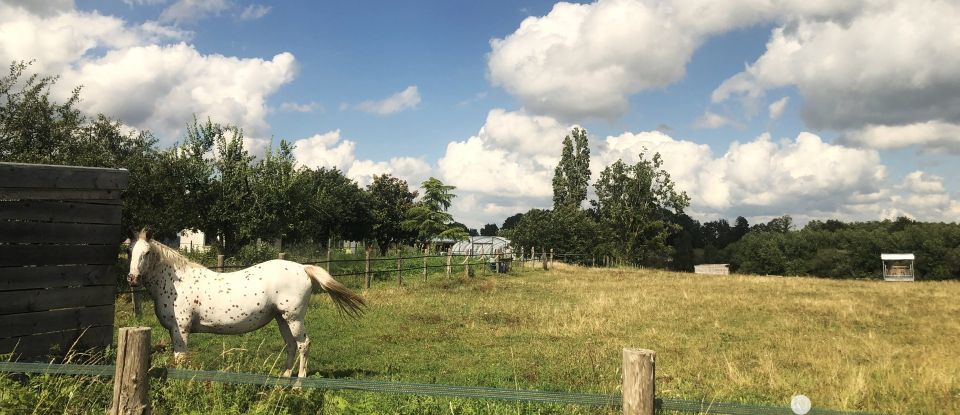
(343, 373)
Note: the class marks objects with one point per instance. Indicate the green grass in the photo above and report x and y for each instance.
(852, 345)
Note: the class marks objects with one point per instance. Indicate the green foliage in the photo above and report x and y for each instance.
(847, 250)
(635, 205)
(429, 217)
(390, 198)
(489, 229)
(567, 231)
(512, 221)
(279, 195)
(33, 129)
(256, 253)
(572, 175)
(338, 207)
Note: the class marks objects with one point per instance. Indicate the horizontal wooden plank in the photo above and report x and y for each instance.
(34, 193)
(17, 255)
(27, 301)
(16, 325)
(58, 343)
(62, 177)
(57, 211)
(53, 276)
(59, 233)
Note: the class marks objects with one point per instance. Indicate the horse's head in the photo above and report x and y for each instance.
(139, 258)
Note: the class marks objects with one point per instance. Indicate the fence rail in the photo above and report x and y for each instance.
(406, 388)
(456, 261)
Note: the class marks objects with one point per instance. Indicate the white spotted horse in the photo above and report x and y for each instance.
(189, 298)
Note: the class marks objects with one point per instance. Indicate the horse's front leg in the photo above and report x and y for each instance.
(179, 336)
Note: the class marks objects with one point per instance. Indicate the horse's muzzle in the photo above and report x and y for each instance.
(133, 279)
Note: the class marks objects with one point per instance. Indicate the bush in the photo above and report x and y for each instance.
(255, 253)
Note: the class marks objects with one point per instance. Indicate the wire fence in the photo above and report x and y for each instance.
(399, 266)
(406, 388)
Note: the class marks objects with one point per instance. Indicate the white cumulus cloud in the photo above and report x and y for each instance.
(585, 60)
(775, 109)
(144, 75)
(160, 88)
(299, 107)
(190, 11)
(330, 150)
(254, 12)
(711, 120)
(933, 135)
(407, 99)
(885, 65)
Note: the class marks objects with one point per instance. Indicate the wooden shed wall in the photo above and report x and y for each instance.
(59, 239)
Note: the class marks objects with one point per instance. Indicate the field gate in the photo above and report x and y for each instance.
(59, 239)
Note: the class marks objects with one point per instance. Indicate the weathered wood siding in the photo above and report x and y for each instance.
(59, 239)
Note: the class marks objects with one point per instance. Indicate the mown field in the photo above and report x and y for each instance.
(853, 345)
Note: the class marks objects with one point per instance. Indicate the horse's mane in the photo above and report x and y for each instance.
(172, 257)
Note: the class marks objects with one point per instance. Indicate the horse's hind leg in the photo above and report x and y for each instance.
(291, 345)
(299, 333)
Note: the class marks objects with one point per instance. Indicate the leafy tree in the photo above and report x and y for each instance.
(635, 204)
(782, 224)
(33, 128)
(489, 229)
(464, 228)
(36, 129)
(231, 216)
(572, 175)
(390, 198)
(566, 231)
(280, 199)
(740, 228)
(760, 253)
(717, 233)
(512, 221)
(429, 217)
(337, 208)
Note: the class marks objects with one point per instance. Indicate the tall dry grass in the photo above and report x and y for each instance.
(854, 345)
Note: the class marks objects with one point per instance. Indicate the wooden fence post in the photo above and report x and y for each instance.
(497, 260)
(399, 264)
(425, 252)
(449, 262)
(329, 261)
(366, 269)
(466, 265)
(533, 256)
(130, 382)
(135, 296)
(551, 257)
(219, 263)
(543, 257)
(639, 372)
(281, 256)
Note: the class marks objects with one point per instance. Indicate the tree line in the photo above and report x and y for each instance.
(637, 217)
(209, 182)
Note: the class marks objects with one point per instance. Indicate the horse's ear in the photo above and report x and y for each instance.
(146, 233)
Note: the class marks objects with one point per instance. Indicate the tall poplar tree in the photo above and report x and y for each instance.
(572, 175)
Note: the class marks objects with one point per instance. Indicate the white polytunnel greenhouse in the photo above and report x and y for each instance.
(482, 245)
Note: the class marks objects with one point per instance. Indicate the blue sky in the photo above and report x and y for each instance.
(761, 108)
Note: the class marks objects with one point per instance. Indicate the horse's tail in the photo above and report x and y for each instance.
(347, 301)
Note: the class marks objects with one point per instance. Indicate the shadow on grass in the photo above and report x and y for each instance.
(344, 373)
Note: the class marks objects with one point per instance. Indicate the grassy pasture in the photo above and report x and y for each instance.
(855, 345)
